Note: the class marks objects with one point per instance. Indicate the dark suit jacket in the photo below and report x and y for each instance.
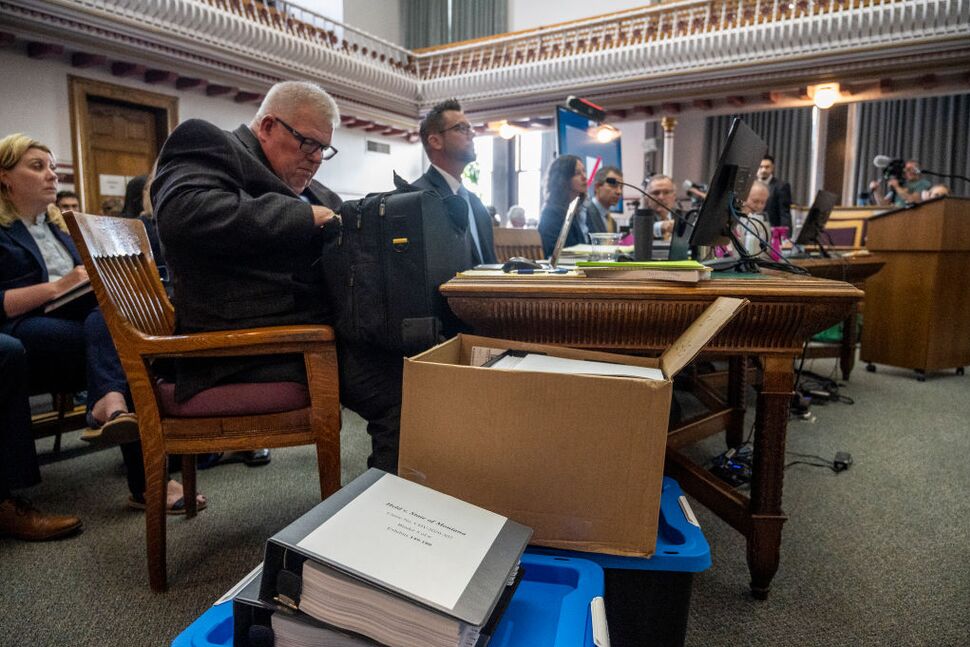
(595, 218)
(434, 181)
(21, 263)
(778, 207)
(550, 223)
(239, 244)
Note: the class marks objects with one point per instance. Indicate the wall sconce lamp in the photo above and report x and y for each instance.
(824, 95)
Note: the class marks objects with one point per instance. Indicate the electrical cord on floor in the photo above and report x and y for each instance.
(841, 462)
(828, 465)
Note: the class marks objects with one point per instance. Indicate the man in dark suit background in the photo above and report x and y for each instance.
(242, 222)
(605, 197)
(448, 141)
(779, 196)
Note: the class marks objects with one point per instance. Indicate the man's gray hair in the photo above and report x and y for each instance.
(287, 97)
(764, 185)
(656, 178)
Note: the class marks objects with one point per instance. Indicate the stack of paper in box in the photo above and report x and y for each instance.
(394, 562)
(680, 271)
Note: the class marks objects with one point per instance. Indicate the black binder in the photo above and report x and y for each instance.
(283, 563)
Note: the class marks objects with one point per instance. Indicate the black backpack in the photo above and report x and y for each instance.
(383, 270)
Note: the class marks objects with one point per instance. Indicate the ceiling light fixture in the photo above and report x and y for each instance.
(824, 95)
(604, 133)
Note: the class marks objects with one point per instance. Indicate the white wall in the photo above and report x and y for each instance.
(382, 18)
(689, 149)
(35, 101)
(527, 14)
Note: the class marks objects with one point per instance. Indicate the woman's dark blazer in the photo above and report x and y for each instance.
(21, 263)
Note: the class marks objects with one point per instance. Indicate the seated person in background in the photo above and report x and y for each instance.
(565, 181)
(112, 206)
(242, 222)
(936, 191)
(18, 459)
(910, 191)
(605, 197)
(516, 217)
(493, 214)
(449, 142)
(662, 188)
(757, 198)
(778, 208)
(38, 261)
(67, 201)
(133, 205)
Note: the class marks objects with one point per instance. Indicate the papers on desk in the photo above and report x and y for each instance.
(523, 276)
(516, 361)
(584, 251)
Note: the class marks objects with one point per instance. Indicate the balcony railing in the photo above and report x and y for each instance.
(318, 29)
(683, 39)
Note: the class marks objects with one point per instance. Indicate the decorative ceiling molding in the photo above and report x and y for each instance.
(684, 55)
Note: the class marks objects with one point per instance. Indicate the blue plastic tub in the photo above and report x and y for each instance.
(549, 609)
(648, 599)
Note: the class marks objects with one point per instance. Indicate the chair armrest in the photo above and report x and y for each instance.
(250, 341)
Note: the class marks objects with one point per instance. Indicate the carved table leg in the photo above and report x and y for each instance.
(847, 359)
(764, 535)
(737, 381)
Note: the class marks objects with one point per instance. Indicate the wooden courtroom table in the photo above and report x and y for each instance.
(646, 317)
(851, 269)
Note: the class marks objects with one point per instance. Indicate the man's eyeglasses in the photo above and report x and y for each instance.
(461, 127)
(308, 145)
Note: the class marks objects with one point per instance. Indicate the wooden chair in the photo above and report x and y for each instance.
(517, 242)
(232, 417)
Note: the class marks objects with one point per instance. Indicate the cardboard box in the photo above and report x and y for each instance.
(578, 458)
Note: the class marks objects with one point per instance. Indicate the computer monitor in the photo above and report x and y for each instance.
(735, 172)
(815, 221)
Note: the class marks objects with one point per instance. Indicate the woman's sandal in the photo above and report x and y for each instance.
(120, 428)
(138, 503)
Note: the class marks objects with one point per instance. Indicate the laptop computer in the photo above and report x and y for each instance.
(553, 261)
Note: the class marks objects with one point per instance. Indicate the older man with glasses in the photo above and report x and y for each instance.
(242, 223)
(449, 141)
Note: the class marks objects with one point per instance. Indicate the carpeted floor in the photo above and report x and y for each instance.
(875, 555)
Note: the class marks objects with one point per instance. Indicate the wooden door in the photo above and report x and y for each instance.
(124, 144)
(117, 133)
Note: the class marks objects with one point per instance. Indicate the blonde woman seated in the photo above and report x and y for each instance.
(38, 261)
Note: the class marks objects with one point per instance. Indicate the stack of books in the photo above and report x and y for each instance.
(384, 561)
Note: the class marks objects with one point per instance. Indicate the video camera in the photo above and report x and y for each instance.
(894, 170)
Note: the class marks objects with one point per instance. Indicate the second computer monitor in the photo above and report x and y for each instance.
(817, 216)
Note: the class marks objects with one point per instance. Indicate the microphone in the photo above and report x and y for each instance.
(688, 185)
(882, 161)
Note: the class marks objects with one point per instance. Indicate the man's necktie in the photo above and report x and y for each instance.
(472, 226)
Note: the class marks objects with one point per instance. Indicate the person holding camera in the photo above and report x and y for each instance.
(904, 190)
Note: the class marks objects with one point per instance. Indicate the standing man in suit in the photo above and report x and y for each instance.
(242, 222)
(449, 142)
(605, 197)
(779, 196)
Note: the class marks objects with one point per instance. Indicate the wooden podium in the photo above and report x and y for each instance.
(918, 307)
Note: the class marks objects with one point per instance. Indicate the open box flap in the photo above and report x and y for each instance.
(688, 345)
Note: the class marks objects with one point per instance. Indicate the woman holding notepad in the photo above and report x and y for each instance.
(38, 263)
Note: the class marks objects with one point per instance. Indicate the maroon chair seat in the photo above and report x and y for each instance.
(233, 400)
